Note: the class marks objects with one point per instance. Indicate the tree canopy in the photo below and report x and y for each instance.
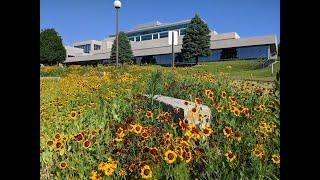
(196, 42)
(52, 50)
(125, 51)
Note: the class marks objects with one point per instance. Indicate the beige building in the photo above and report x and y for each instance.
(149, 43)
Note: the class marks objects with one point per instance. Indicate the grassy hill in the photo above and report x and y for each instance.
(241, 69)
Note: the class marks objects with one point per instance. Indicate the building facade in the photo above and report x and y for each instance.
(149, 43)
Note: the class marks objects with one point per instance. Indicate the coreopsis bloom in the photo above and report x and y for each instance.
(207, 131)
(146, 172)
(227, 131)
(62, 165)
(149, 114)
(170, 156)
(276, 158)
(230, 156)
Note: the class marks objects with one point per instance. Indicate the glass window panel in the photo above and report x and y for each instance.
(164, 34)
(146, 37)
(253, 52)
(155, 36)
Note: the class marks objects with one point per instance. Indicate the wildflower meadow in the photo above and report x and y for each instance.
(97, 123)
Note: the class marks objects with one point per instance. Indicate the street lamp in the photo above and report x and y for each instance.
(117, 5)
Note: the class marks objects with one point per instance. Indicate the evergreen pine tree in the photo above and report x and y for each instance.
(125, 51)
(196, 42)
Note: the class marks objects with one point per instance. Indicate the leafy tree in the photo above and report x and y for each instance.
(52, 50)
(125, 51)
(279, 49)
(196, 42)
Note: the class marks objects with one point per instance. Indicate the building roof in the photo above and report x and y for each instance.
(155, 25)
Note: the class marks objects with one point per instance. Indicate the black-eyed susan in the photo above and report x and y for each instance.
(86, 144)
(144, 134)
(262, 125)
(167, 136)
(120, 132)
(262, 106)
(186, 138)
(236, 112)
(149, 114)
(268, 128)
(101, 166)
(78, 137)
(258, 152)
(154, 152)
(58, 136)
(219, 109)
(257, 108)
(223, 94)
(137, 128)
(117, 139)
(131, 128)
(207, 131)
(170, 156)
(122, 172)
(232, 99)
(276, 158)
(73, 114)
(50, 143)
(207, 91)
(230, 156)
(197, 101)
(108, 170)
(245, 111)
(183, 126)
(58, 146)
(63, 165)
(94, 175)
(187, 156)
(186, 103)
(210, 96)
(237, 137)
(227, 131)
(146, 172)
(193, 110)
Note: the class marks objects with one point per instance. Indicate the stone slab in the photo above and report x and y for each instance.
(201, 117)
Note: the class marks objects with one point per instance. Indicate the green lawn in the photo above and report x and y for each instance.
(241, 69)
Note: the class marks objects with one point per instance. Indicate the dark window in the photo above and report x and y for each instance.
(86, 48)
(131, 38)
(146, 37)
(229, 53)
(148, 60)
(70, 56)
(182, 32)
(253, 52)
(97, 47)
(155, 36)
(137, 38)
(164, 34)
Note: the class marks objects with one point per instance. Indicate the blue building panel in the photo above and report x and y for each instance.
(250, 52)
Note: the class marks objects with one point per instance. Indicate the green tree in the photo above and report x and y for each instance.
(196, 42)
(125, 51)
(279, 49)
(52, 50)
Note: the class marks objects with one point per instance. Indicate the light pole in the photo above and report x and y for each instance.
(117, 5)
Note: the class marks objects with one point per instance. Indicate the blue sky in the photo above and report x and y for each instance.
(77, 20)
